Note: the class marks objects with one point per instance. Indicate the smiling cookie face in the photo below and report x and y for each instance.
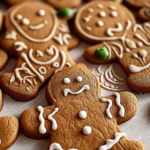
(75, 82)
(100, 20)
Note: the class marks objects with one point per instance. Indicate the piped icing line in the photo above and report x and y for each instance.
(52, 32)
(0, 141)
(109, 49)
(138, 36)
(50, 117)
(47, 62)
(12, 79)
(12, 35)
(65, 37)
(63, 55)
(136, 69)
(42, 128)
(85, 87)
(38, 26)
(57, 146)
(117, 29)
(109, 101)
(24, 56)
(122, 110)
(64, 28)
(20, 46)
(120, 48)
(110, 143)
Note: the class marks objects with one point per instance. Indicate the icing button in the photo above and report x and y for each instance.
(87, 130)
(82, 114)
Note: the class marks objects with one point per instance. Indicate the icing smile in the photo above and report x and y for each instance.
(39, 26)
(85, 87)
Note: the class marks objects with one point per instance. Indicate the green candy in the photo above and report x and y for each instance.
(65, 12)
(102, 53)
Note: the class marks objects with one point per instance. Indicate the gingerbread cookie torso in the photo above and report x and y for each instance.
(40, 40)
(119, 39)
(64, 3)
(143, 6)
(79, 116)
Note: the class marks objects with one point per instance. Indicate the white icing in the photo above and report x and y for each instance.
(143, 53)
(87, 19)
(100, 6)
(87, 130)
(140, 44)
(100, 23)
(26, 70)
(39, 26)
(28, 89)
(39, 53)
(109, 49)
(41, 12)
(50, 50)
(19, 17)
(114, 14)
(12, 79)
(24, 56)
(135, 69)
(52, 32)
(91, 10)
(50, 117)
(120, 48)
(112, 7)
(66, 80)
(47, 62)
(122, 110)
(56, 64)
(68, 64)
(34, 81)
(83, 114)
(12, 35)
(138, 36)
(42, 70)
(110, 143)
(89, 28)
(61, 39)
(25, 21)
(0, 142)
(102, 14)
(109, 115)
(29, 81)
(79, 78)
(63, 55)
(130, 43)
(64, 28)
(20, 46)
(117, 29)
(85, 87)
(56, 146)
(42, 128)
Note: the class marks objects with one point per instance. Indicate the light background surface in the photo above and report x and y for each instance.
(138, 128)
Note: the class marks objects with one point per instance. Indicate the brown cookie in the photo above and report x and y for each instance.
(1, 100)
(9, 129)
(59, 4)
(12, 2)
(1, 20)
(143, 6)
(3, 59)
(40, 40)
(118, 39)
(119, 1)
(80, 118)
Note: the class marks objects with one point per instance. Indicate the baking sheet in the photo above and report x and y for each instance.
(138, 128)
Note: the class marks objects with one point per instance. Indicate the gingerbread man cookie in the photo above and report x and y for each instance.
(64, 3)
(120, 38)
(143, 6)
(40, 40)
(79, 118)
(9, 129)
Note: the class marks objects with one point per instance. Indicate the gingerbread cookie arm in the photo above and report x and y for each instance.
(38, 122)
(9, 129)
(121, 106)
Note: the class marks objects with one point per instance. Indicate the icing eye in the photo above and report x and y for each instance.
(41, 12)
(19, 17)
(100, 23)
(67, 80)
(102, 14)
(79, 78)
(114, 14)
(25, 21)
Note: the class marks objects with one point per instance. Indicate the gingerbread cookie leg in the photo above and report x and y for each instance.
(9, 129)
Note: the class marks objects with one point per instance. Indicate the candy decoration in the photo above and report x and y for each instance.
(102, 53)
(66, 12)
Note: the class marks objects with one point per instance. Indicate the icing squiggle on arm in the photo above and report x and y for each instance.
(109, 106)
(50, 117)
(56, 146)
(42, 128)
(110, 143)
(122, 110)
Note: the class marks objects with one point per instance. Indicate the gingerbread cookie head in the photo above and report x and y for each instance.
(40, 40)
(64, 3)
(100, 20)
(78, 112)
(9, 129)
